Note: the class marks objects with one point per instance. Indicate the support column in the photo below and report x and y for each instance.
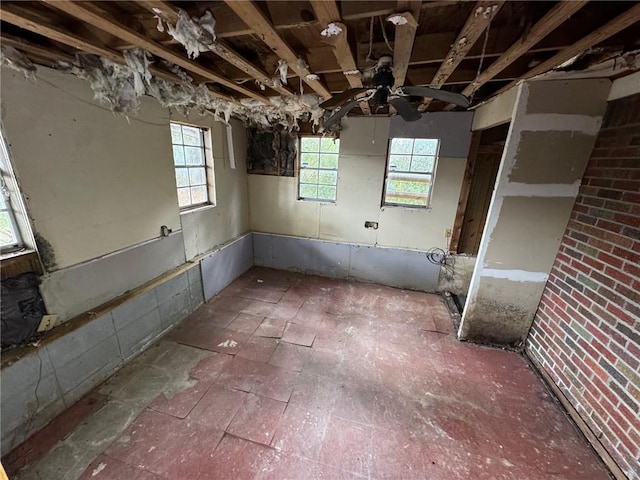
(553, 130)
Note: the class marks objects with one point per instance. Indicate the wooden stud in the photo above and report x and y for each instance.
(553, 18)
(89, 15)
(482, 14)
(616, 25)
(253, 16)
(169, 14)
(327, 12)
(403, 47)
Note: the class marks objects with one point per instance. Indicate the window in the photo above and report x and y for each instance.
(10, 238)
(410, 168)
(318, 179)
(189, 159)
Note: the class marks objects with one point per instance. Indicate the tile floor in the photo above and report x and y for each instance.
(286, 376)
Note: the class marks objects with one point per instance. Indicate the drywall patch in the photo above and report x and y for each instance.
(575, 97)
(551, 157)
(45, 249)
(515, 275)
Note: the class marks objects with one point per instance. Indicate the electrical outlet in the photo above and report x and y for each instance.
(447, 232)
(47, 323)
(373, 225)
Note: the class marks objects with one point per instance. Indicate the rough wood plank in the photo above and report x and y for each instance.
(261, 25)
(355, 10)
(464, 192)
(552, 19)
(169, 14)
(616, 25)
(327, 12)
(86, 13)
(403, 47)
(575, 416)
(482, 14)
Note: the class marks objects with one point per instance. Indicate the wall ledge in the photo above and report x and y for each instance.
(11, 356)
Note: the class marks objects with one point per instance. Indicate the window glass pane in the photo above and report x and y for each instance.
(422, 164)
(308, 191)
(182, 177)
(192, 136)
(178, 155)
(194, 155)
(425, 146)
(328, 145)
(7, 236)
(197, 176)
(327, 177)
(329, 160)
(308, 176)
(176, 133)
(399, 162)
(401, 145)
(184, 197)
(309, 160)
(326, 192)
(2, 204)
(310, 144)
(198, 194)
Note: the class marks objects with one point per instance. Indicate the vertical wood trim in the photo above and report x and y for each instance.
(464, 192)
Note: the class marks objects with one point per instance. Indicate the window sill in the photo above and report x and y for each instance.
(17, 263)
(408, 207)
(201, 208)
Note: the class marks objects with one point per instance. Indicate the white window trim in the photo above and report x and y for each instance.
(322, 201)
(209, 167)
(427, 207)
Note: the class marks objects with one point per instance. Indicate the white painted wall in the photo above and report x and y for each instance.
(206, 228)
(274, 207)
(94, 182)
(99, 186)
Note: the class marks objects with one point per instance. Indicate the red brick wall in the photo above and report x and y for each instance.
(586, 333)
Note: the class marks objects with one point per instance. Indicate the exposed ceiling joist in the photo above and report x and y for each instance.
(358, 10)
(326, 12)
(616, 25)
(169, 14)
(34, 51)
(404, 38)
(86, 13)
(480, 18)
(261, 25)
(31, 23)
(554, 17)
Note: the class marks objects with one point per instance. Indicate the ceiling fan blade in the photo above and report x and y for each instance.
(450, 97)
(408, 112)
(335, 118)
(340, 98)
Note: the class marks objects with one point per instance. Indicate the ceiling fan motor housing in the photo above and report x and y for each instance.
(383, 80)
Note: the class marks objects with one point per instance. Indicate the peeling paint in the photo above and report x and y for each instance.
(12, 58)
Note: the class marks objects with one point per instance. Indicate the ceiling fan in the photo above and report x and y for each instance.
(382, 94)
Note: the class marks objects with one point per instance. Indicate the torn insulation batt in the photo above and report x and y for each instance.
(120, 86)
(16, 60)
(195, 35)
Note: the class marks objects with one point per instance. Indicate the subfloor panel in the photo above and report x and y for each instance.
(288, 376)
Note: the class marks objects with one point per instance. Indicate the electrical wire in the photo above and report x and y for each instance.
(482, 55)
(438, 256)
(384, 34)
(370, 39)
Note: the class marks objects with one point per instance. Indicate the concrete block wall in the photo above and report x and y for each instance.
(42, 384)
(586, 332)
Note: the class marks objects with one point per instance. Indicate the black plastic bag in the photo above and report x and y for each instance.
(21, 309)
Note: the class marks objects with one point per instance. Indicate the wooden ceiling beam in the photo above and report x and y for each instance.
(262, 26)
(327, 12)
(480, 18)
(63, 36)
(619, 23)
(91, 16)
(404, 38)
(552, 20)
(355, 10)
(169, 14)
(35, 52)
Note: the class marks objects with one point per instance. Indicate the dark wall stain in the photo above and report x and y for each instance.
(45, 249)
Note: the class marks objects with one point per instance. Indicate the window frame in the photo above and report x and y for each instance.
(9, 188)
(432, 174)
(208, 165)
(299, 169)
